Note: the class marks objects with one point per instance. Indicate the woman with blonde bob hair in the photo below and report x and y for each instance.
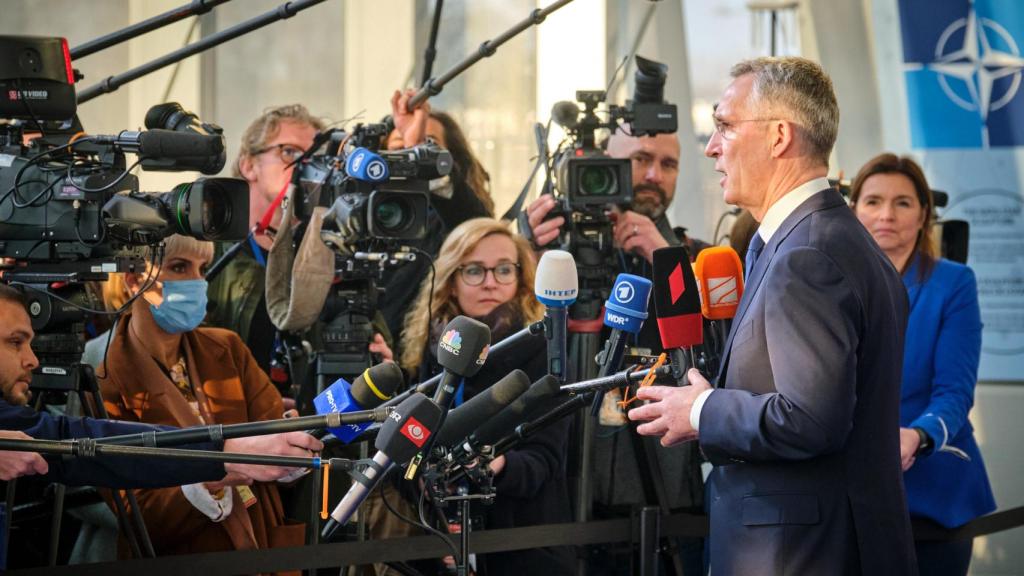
(486, 272)
(443, 303)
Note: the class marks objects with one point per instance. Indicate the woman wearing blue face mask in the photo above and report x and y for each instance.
(162, 368)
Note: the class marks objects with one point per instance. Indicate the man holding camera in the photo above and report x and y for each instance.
(638, 232)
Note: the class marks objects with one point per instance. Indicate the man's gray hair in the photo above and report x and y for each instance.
(800, 87)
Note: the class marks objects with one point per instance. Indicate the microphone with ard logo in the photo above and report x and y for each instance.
(624, 312)
(367, 166)
(402, 436)
(556, 287)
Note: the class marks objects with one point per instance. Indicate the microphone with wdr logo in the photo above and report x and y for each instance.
(556, 287)
(719, 273)
(624, 312)
(369, 390)
(402, 435)
(677, 305)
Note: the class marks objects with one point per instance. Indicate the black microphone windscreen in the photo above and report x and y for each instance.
(463, 346)
(158, 116)
(171, 144)
(376, 384)
(677, 299)
(407, 428)
(478, 409)
(519, 411)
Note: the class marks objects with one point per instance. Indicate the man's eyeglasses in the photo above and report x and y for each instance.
(286, 152)
(475, 274)
(725, 127)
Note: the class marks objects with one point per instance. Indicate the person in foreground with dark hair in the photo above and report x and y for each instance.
(803, 427)
(943, 471)
(17, 421)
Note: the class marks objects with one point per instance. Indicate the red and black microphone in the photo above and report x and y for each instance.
(677, 306)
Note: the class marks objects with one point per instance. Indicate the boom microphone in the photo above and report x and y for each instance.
(401, 436)
(677, 304)
(369, 390)
(556, 287)
(482, 407)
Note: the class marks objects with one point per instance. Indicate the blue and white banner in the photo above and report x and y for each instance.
(963, 68)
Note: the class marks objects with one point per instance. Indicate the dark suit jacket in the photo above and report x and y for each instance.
(109, 471)
(804, 429)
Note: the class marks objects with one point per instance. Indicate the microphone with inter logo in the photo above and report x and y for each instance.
(556, 287)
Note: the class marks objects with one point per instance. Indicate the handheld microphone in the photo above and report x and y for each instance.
(719, 273)
(677, 305)
(367, 166)
(624, 312)
(461, 352)
(401, 436)
(556, 287)
(369, 390)
(482, 407)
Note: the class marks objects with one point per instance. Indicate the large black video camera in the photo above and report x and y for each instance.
(589, 183)
(377, 199)
(70, 209)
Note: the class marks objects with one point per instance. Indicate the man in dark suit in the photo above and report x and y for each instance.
(19, 422)
(803, 426)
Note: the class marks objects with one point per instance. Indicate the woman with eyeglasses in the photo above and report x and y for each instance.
(160, 367)
(944, 474)
(486, 272)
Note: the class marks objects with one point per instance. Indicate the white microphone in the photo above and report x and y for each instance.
(556, 287)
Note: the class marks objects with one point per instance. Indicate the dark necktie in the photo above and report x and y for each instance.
(753, 250)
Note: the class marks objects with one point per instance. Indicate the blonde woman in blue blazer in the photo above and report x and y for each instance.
(944, 474)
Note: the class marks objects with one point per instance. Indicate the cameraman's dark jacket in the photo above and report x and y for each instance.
(616, 480)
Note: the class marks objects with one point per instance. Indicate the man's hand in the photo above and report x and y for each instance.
(910, 440)
(412, 125)
(16, 464)
(297, 444)
(543, 232)
(668, 415)
(637, 233)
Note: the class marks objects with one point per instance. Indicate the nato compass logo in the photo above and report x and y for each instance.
(963, 67)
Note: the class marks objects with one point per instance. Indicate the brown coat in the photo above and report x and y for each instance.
(137, 388)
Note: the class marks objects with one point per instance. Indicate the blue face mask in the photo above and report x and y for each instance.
(183, 308)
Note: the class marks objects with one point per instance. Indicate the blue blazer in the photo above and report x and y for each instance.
(101, 470)
(940, 369)
(804, 427)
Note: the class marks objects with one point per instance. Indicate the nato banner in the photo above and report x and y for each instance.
(963, 68)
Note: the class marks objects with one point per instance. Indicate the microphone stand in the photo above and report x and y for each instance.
(218, 432)
(111, 83)
(196, 8)
(90, 448)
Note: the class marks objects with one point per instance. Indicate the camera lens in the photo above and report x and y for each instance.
(597, 181)
(392, 215)
(216, 213)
